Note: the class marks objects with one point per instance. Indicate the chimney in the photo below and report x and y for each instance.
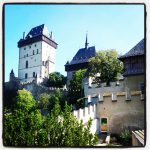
(24, 34)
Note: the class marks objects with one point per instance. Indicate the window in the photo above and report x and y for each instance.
(29, 46)
(26, 64)
(43, 63)
(33, 52)
(24, 48)
(27, 55)
(33, 74)
(35, 45)
(37, 51)
(26, 75)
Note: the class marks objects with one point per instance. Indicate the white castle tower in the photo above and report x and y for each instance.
(36, 55)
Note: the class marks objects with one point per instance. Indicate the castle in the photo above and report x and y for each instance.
(120, 106)
(36, 55)
(111, 108)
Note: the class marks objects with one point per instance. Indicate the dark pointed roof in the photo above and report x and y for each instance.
(136, 50)
(37, 34)
(83, 55)
(12, 72)
(39, 30)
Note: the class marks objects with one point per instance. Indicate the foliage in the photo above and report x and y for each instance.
(107, 64)
(75, 87)
(43, 101)
(56, 80)
(25, 126)
(22, 124)
(65, 130)
(126, 137)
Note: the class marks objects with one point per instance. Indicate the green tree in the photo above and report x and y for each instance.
(75, 88)
(56, 79)
(57, 96)
(107, 64)
(22, 124)
(43, 103)
(64, 129)
(25, 126)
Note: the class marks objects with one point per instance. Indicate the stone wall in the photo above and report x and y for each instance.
(37, 89)
(90, 89)
(123, 112)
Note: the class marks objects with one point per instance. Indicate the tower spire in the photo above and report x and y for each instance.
(86, 42)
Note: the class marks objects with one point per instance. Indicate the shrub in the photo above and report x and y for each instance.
(126, 138)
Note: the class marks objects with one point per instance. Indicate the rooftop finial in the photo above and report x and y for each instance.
(86, 42)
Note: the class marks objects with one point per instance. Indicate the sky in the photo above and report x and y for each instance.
(118, 27)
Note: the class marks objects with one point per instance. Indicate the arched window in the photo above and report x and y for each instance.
(26, 64)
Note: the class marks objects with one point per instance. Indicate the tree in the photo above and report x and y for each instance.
(43, 102)
(56, 80)
(64, 129)
(22, 124)
(75, 87)
(25, 126)
(107, 64)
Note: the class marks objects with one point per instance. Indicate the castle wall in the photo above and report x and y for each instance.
(122, 112)
(37, 89)
(133, 82)
(48, 53)
(86, 114)
(90, 89)
(34, 61)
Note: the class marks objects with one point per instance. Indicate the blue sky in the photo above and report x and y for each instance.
(117, 27)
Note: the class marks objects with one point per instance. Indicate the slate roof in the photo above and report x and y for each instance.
(83, 55)
(39, 30)
(37, 34)
(136, 50)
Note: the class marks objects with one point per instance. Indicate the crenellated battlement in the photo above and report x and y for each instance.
(127, 96)
(86, 113)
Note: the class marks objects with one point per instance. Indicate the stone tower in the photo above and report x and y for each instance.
(36, 54)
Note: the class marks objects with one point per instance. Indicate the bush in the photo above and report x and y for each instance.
(126, 138)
